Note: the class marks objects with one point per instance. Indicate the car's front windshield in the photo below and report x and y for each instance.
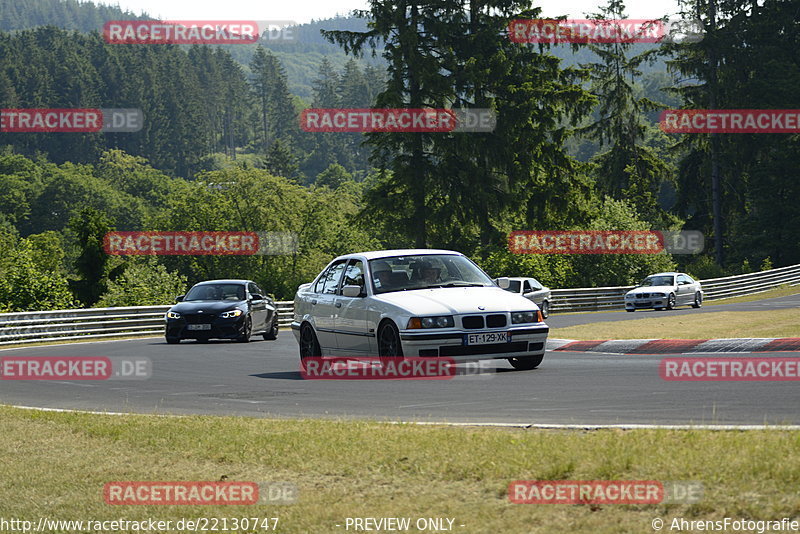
(231, 292)
(658, 281)
(402, 273)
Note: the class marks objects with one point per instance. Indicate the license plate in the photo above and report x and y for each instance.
(198, 327)
(487, 338)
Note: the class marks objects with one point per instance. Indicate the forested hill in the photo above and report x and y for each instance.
(66, 14)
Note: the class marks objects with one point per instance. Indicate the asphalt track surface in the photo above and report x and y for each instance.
(261, 379)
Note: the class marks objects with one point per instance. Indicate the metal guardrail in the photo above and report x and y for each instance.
(95, 323)
(109, 323)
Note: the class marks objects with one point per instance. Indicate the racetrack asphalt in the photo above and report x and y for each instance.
(262, 379)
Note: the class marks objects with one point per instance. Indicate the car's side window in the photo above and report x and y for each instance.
(320, 285)
(683, 279)
(354, 274)
(253, 289)
(332, 277)
(526, 287)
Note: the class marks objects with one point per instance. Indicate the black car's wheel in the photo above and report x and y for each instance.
(546, 309)
(247, 331)
(671, 301)
(630, 309)
(698, 300)
(309, 346)
(526, 364)
(173, 340)
(272, 334)
(389, 342)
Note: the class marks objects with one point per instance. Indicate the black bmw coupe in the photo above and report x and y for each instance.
(222, 309)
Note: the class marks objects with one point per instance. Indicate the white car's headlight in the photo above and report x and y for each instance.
(525, 317)
(659, 295)
(230, 314)
(173, 315)
(441, 321)
(629, 296)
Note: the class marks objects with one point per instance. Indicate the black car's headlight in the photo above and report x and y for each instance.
(441, 321)
(525, 317)
(173, 315)
(230, 314)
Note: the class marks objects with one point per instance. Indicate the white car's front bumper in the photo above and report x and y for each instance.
(524, 341)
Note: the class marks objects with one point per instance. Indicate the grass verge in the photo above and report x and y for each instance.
(55, 465)
(775, 323)
(782, 291)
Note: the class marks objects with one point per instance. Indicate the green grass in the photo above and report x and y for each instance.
(55, 465)
(782, 291)
(660, 325)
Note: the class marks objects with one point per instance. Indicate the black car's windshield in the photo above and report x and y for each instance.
(403, 273)
(658, 281)
(216, 292)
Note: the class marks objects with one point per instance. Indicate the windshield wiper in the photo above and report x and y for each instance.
(455, 284)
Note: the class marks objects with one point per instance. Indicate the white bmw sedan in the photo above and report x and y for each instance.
(419, 302)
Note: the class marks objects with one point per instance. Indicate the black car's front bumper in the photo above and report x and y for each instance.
(205, 326)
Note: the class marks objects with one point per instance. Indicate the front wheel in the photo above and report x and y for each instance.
(173, 340)
(671, 301)
(389, 342)
(247, 331)
(545, 309)
(309, 346)
(273, 332)
(526, 364)
(698, 300)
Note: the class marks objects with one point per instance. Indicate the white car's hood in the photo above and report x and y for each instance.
(652, 289)
(456, 300)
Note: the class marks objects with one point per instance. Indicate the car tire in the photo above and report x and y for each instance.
(630, 309)
(698, 300)
(309, 345)
(272, 335)
(526, 364)
(389, 346)
(173, 340)
(545, 309)
(247, 332)
(671, 301)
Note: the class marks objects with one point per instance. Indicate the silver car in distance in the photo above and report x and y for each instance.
(664, 291)
(418, 302)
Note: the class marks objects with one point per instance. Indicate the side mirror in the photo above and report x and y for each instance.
(351, 291)
(179, 298)
(504, 282)
(256, 296)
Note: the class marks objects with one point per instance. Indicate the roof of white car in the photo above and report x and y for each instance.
(665, 274)
(375, 254)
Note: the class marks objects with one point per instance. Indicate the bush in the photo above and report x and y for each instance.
(143, 283)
